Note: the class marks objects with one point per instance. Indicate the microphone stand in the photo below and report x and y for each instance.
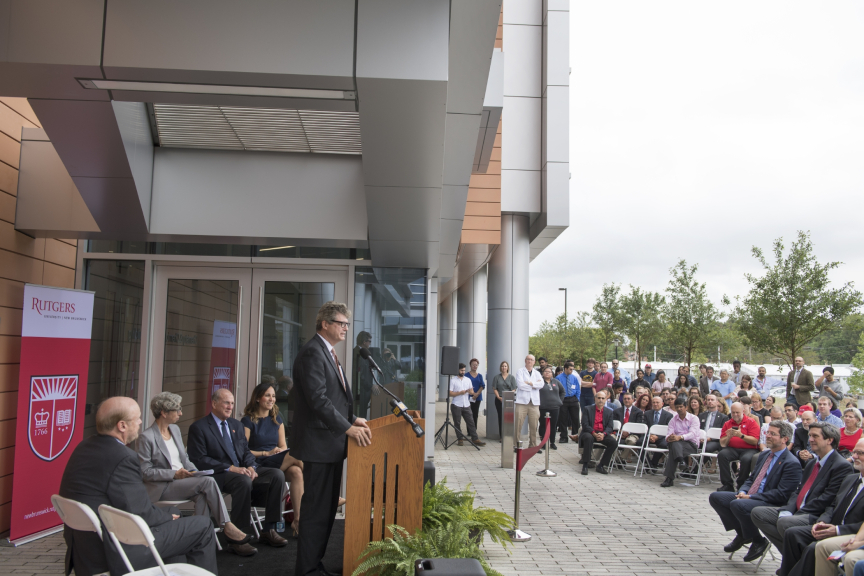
(398, 407)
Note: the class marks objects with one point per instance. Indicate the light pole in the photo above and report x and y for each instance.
(565, 305)
(616, 347)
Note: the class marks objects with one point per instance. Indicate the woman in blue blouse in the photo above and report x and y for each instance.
(265, 433)
(477, 381)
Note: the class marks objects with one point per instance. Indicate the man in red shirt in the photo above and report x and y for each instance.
(739, 439)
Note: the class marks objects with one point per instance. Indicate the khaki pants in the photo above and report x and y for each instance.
(532, 412)
(824, 548)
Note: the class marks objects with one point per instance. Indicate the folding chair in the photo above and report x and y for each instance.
(631, 428)
(713, 434)
(169, 503)
(131, 530)
(768, 550)
(77, 516)
(659, 430)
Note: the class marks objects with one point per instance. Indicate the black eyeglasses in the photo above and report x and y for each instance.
(343, 324)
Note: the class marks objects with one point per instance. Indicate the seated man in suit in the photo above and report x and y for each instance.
(102, 470)
(597, 427)
(801, 443)
(844, 517)
(712, 418)
(739, 440)
(626, 414)
(775, 477)
(657, 415)
(218, 442)
(818, 487)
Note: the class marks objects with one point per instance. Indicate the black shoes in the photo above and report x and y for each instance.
(667, 483)
(725, 488)
(757, 549)
(734, 545)
(553, 446)
(602, 470)
(591, 464)
(563, 440)
(584, 470)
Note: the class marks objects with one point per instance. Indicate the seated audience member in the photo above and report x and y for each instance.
(852, 546)
(820, 482)
(102, 470)
(695, 393)
(265, 434)
(823, 412)
(682, 440)
(217, 442)
(628, 413)
(745, 383)
(739, 438)
(695, 406)
(791, 414)
(669, 401)
(656, 416)
(660, 382)
(712, 418)
(775, 477)
(643, 402)
(614, 401)
(768, 402)
(748, 404)
(843, 517)
(851, 433)
(757, 406)
(167, 471)
(801, 443)
(726, 387)
(596, 427)
(460, 407)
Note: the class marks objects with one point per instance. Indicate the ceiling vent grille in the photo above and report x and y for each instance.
(262, 129)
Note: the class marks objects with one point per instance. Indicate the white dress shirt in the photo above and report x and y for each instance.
(459, 384)
(528, 386)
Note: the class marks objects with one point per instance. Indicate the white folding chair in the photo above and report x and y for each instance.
(178, 503)
(770, 550)
(713, 434)
(631, 428)
(133, 531)
(77, 516)
(659, 430)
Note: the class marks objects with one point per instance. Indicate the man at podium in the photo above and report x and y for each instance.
(323, 421)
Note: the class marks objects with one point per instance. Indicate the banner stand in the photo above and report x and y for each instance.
(27, 539)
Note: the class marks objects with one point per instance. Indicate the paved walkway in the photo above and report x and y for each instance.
(595, 524)
(592, 525)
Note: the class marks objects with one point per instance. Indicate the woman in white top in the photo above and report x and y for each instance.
(169, 475)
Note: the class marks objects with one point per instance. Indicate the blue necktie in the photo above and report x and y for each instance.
(229, 445)
(656, 417)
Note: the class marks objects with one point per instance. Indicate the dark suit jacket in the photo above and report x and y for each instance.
(784, 478)
(800, 439)
(719, 420)
(855, 516)
(648, 417)
(635, 416)
(101, 470)
(806, 383)
(588, 413)
(824, 488)
(207, 451)
(323, 410)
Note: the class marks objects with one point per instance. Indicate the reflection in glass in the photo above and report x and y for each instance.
(290, 309)
(389, 319)
(116, 340)
(200, 349)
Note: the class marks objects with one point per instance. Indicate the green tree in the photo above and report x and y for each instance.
(689, 314)
(792, 302)
(641, 317)
(606, 314)
(856, 381)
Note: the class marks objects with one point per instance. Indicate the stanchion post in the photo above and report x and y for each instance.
(517, 535)
(546, 472)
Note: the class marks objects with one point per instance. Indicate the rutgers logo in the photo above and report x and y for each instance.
(51, 422)
(221, 378)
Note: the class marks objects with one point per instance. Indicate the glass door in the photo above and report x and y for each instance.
(286, 303)
(200, 335)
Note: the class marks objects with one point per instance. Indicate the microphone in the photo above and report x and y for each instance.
(366, 355)
(399, 409)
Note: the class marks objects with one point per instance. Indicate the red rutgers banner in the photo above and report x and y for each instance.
(52, 388)
(223, 357)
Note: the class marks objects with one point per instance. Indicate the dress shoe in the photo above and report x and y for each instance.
(602, 470)
(479, 442)
(232, 541)
(272, 537)
(244, 549)
(540, 451)
(734, 545)
(563, 440)
(591, 464)
(667, 483)
(757, 549)
(574, 438)
(460, 443)
(553, 446)
(584, 470)
(724, 489)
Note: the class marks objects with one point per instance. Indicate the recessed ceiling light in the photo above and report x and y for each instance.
(217, 89)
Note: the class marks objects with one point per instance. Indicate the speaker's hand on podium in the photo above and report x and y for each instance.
(361, 432)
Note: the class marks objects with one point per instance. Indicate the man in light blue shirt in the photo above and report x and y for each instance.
(726, 387)
(823, 414)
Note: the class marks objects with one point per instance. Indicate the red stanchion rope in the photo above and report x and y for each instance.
(525, 454)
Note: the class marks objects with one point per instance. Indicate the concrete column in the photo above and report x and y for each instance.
(508, 305)
(471, 320)
(447, 328)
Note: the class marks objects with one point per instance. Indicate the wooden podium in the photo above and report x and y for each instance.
(384, 485)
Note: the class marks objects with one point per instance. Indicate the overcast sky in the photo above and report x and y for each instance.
(698, 130)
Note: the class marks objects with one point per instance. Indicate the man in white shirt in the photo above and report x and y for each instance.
(460, 407)
(528, 386)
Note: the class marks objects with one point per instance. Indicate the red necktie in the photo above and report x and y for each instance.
(627, 416)
(807, 485)
(754, 489)
(338, 367)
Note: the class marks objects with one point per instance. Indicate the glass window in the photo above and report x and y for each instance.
(389, 319)
(241, 250)
(116, 246)
(116, 342)
(190, 249)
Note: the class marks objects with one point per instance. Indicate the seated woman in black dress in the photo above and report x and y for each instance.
(265, 433)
